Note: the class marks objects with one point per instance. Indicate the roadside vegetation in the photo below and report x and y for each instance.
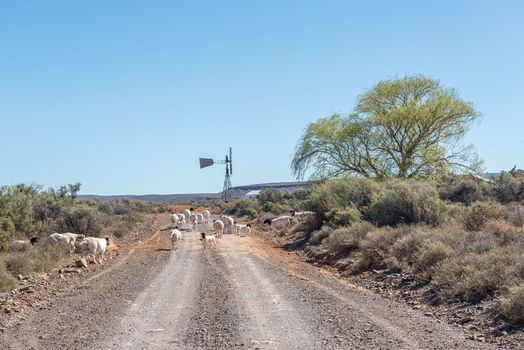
(394, 189)
(28, 211)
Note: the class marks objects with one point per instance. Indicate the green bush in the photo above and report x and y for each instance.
(7, 230)
(343, 217)
(429, 255)
(347, 239)
(405, 203)
(242, 207)
(479, 213)
(512, 306)
(83, 220)
(343, 193)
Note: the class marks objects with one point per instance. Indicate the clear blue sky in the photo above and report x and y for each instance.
(124, 96)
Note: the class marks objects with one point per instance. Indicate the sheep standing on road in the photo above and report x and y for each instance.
(206, 214)
(174, 219)
(208, 241)
(193, 219)
(96, 246)
(181, 217)
(242, 230)
(280, 222)
(66, 239)
(175, 237)
(218, 226)
(228, 223)
(199, 218)
(187, 214)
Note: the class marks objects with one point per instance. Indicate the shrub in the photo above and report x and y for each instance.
(512, 306)
(83, 220)
(343, 217)
(376, 247)
(473, 277)
(346, 239)
(7, 281)
(516, 214)
(407, 247)
(343, 193)
(7, 230)
(274, 208)
(479, 213)
(429, 255)
(463, 189)
(319, 235)
(41, 259)
(509, 187)
(242, 207)
(407, 203)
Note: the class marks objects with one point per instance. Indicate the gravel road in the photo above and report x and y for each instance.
(243, 295)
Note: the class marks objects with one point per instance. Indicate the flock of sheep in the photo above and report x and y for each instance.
(226, 224)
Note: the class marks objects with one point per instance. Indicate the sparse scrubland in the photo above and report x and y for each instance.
(463, 236)
(27, 211)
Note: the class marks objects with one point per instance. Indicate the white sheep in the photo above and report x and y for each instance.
(96, 246)
(209, 241)
(181, 216)
(66, 239)
(228, 223)
(242, 230)
(187, 213)
(18, 244)
(218, 225)
(280, 222)
(174, 219)
(206, 214)
(193, 219)
(175, 236)
(199, 218)
(302, 214)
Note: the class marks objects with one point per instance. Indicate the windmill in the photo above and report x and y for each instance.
(227, 192)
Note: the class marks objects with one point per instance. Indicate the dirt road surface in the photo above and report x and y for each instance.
(243, 295)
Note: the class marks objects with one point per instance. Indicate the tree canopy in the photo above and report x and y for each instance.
(407, 128)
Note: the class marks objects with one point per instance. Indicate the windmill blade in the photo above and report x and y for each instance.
(205, 162)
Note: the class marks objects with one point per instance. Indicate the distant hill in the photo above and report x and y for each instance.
(238, 192)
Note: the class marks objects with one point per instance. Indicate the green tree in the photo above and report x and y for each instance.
(406, 128)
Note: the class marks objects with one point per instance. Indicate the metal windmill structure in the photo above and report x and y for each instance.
(227, 192)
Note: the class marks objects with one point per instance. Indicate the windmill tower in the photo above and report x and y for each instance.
(227, 191)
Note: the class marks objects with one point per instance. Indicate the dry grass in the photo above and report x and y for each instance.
(39, 259)
(346, 239)
(512, 306)
(7, 281)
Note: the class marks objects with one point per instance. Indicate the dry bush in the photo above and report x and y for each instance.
(376, 247)
(473, 277)
(37, 259)
(516, 214)
(480, 212)
(505, 232)
(7, 281)
(343, 217)
(346, 239)
(512, 306)
(319, 235)
(429, 255)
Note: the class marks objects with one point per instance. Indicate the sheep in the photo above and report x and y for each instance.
(181, 216)
(193, 219)
(175, 236)
(96, 246)
(218, 225)
(228, 223)
(18, 244)
(302, 214)
(280, 222)
(199, 218)
(206, 214)
(174, 219)
(241, 229)
(208, 241)
(187, 213)
(65, 239)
